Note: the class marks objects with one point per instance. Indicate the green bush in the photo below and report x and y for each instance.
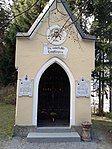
(104, 114)
(8, 94)
(10, 99)
(108, 114)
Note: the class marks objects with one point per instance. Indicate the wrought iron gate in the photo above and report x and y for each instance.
(54, 97)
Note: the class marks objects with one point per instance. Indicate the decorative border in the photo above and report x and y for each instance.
(72, 90)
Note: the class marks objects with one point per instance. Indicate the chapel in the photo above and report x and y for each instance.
(54, 60)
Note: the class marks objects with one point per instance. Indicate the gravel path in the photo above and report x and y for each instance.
(20, 143)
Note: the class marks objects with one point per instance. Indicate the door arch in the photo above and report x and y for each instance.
(36, 86)
(54, 97)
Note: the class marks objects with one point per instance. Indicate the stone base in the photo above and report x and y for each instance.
(23, 131)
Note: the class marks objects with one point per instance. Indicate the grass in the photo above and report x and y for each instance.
(102, 121)
(7, 114)
(102, 126)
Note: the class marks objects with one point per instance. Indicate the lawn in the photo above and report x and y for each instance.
(102, 128)
(7, 114)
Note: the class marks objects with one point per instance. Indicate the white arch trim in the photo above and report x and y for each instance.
(72, 91)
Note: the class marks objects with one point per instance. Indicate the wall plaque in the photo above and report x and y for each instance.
(25, 87)
(56, 35)
(55, 50)
(83, 88)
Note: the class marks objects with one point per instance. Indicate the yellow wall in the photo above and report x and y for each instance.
(30, 58)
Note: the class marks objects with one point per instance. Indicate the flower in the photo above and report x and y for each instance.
(53, 114)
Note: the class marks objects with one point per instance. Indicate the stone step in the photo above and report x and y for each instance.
(53, 129)
(53, 137)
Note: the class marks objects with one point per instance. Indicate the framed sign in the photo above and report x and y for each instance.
(82, 88)
(55, 50)
(25, 87)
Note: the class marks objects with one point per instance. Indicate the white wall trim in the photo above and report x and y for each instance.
(72, 90)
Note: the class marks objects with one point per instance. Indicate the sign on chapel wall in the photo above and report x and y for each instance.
(82, 88)
(25, 87)
(56, 35)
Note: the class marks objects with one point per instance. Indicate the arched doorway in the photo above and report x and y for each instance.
(54, 97)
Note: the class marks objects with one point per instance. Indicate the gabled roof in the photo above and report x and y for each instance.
(44, 13)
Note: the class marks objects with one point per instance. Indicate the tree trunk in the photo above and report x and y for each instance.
(110, 93)
(100, 99)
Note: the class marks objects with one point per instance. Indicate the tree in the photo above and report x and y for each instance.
(4, 18)
(28, 11)
(23, 14)
(102, 28)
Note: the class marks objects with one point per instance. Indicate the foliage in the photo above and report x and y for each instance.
(4, 18)
(83, 10)
(21, 23)
(104, 114)
(108, 115)
(9, 99)
(8, 59)
(102, 28)
(8, 94)
(26, 19)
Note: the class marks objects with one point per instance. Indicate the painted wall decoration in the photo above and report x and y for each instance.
(56, 35)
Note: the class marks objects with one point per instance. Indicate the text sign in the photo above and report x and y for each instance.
(55, 50)
(82, 88)
(25, 87)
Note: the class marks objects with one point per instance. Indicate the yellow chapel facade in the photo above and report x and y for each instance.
(54, 60)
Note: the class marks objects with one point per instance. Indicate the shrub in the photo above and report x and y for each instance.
(108, 114)
(8, 94)
(10, 99)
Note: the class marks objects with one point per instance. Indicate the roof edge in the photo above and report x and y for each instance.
(44, 12)
(37, 21)
(77, 25)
